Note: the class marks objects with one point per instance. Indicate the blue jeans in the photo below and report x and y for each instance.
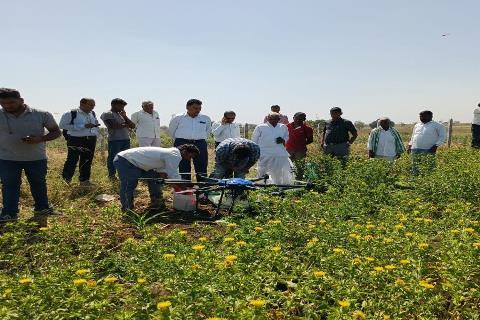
(200, 163)
(115, 147)
(129, 175)
(422, 160)
(11, 177)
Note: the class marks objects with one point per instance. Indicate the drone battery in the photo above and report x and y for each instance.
(184, 201)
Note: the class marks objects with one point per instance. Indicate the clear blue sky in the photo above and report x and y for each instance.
(371, 57)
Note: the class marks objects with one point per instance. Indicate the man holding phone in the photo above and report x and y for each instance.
(23, 148)
(226, 129)
(274, 158)
(81, 127)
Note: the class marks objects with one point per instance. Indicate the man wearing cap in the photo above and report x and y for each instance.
(276, 108)
(338, 134)
(234, 157)
(147, 125)
(23, 148)
(118, 124)
(226, 129)
(385, 142)
(194, 128)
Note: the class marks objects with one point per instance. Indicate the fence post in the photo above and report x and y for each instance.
(102, 146)
(450, 130)
(245, 131)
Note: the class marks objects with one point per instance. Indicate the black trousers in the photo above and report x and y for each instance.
(475, 135)
(83, 149)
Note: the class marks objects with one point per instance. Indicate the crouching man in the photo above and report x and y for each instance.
(149, 162)
(234, 157)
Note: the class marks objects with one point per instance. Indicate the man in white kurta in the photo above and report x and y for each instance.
(147, 125)
(274, 158)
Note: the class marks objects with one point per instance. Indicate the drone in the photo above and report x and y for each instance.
(225, 193)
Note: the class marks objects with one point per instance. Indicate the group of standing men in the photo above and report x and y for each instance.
(274, 144)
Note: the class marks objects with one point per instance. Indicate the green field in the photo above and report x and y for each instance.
(374, 244)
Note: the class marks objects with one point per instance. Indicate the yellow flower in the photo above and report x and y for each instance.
(390, 267)
(423, 245)
(311, 226)
(368, 237)
(231, 225)
(322, 221)
(357, 314)
(276, 249)
(370, 259)
(476, 245)
(355, 236)
(370, 226)
(378, 269)
(228, 239)
(399, 282)
(319, 274)
(82, 272)
(43, 229)
(418, 219)
(297, 201)
(183, 232)
(257, 303)
(215, 318)
(196, 266)
(385, 317)
(231, 258)
(80, 282)
(399, 226)
(427, 220)
(338, 250)
(426, 284)
(7, 292)
(164, 305)
(168, 256)
(110, 280)
(344, 303)
(409, 234)
(26, 281)
(258, 229)
(404, 261)
(198, 247)
(388, 240)
(241, 243)
(141, 280)
(91, 283)
(356, 261)
(455, 231)
(202, 239)
(469, 230)
(274, 221)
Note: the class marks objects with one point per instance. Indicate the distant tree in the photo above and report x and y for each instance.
(359, 124)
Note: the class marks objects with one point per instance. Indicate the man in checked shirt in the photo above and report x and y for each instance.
(234, 157)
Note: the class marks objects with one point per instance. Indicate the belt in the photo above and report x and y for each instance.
(84, 137)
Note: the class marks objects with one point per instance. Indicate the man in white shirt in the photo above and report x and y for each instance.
(147, 125)
(80, 128)
(225, 129)
(194, 128)
(427, 136)
(385, 142)
(283, 118)
(149, 162)
(274, 158)
(476, 127)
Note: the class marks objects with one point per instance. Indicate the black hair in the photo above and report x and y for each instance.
(299, 114)
(190, 148)
(118, 101)
(427, 112)
(229, 112)
(9, 93)
(275, 106)
(241, 151)
(85, 100)
(193, 101)
(336, 109)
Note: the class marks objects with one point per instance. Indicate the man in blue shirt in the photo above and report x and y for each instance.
(234, 157)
